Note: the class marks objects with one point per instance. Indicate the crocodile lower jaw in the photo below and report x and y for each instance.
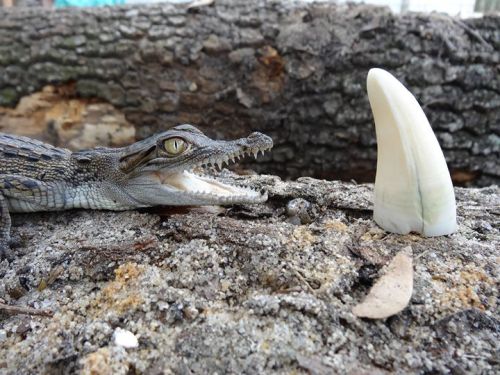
(210, 189)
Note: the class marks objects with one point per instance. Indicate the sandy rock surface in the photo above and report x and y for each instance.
(250, 289)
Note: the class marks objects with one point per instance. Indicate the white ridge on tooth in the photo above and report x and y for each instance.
(413, 188)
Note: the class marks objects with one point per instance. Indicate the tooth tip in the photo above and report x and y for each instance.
(374, 72)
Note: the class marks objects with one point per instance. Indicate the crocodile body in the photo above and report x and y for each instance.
(160, 170)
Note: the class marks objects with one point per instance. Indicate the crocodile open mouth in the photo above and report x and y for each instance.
(202, 187)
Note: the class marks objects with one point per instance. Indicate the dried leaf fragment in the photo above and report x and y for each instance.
(392, 292)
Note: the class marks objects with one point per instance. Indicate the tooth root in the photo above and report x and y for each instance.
(413, 188)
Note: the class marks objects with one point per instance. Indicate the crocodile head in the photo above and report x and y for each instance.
(165, 168)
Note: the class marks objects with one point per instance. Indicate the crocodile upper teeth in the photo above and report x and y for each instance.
(413, 188)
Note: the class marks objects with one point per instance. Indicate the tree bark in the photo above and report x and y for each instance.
(254, 289)
(295, 71)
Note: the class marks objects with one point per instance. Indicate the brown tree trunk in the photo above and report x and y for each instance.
(296, 72)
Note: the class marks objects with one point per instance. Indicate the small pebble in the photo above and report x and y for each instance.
(483, 227)
(125, 338)
(193, 87)
(191, 312)
(23, 328)
(298, 211)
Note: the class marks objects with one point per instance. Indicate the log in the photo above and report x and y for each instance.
(251, 289)
(293, 70)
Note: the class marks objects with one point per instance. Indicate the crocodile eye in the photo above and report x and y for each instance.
(175, 146)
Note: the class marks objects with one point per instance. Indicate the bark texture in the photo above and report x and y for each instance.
(263, 289)
(295, 71)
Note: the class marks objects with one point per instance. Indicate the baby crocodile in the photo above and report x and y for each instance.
(159, 170)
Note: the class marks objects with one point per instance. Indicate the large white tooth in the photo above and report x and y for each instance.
(413, 188)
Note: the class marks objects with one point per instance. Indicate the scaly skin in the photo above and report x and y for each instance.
(35, 176)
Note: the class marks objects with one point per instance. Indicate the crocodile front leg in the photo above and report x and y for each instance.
(25, 195)
(4, 228)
